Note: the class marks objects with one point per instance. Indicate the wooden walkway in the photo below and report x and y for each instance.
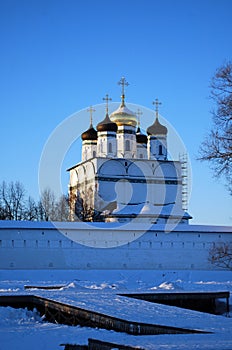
(45, 287)
(95, 344)
(199, 301)
(58, 312)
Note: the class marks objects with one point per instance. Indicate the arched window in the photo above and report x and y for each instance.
(94, 154)
(127, 145)
(110, 149)
(160, 150)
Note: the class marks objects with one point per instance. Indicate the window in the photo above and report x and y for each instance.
(140, 156)
(127, 146)
(110, 150)
(94, 154)
(160, 150)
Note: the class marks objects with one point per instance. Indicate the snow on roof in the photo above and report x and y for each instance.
(5, 224)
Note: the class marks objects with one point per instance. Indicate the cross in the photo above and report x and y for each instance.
(91, 110)
(139, 113)
(157, 104)
(124, 83)
(107, 99)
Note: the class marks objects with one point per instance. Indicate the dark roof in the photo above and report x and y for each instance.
(90, 134)
(107, 125)
(157, 129)
(140, 137)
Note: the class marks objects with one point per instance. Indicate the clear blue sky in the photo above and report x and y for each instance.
(58, 57)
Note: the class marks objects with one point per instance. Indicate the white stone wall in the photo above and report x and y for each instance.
(141, 151)
(105, 246)
(126, 140)
(157, 147)
(106, 144)
(147, 182)
(89, 149)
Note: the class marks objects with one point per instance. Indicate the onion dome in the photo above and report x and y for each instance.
(140, 137)
(107, 125)
(156, 128)
(90, 134)
(124, 116)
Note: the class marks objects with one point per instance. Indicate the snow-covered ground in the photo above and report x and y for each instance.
(98, 290)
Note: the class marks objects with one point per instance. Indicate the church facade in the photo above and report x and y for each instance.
(124, 174)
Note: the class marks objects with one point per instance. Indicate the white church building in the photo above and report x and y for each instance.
(126, 175)
(125, 179)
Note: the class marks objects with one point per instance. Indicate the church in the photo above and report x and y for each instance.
(124, 174)
(130, 195)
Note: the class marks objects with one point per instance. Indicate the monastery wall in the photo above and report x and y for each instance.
(34, 245)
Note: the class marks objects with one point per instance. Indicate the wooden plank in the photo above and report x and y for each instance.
(179, 295)
(58, 312)
(44, 287)
(95, 344)
(200, 301)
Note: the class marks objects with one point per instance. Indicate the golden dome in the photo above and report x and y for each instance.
(123, 116)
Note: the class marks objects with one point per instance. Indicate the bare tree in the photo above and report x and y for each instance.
(41, 215)
(12, 199)
(48, 203)
(220, 255)
(83, 207)
(217, 147)
(3, 213)
(31, 210)
(52, 209)
(62, 209)
(15, 206)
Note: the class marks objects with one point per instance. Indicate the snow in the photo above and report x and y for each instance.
(9, 224)
(98, 290)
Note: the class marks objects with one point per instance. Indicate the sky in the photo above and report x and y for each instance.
(59, 57)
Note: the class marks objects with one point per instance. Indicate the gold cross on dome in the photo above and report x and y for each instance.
(157, 104)
(139, 113)
(124, 83)
(107, 99)
(91, 110)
